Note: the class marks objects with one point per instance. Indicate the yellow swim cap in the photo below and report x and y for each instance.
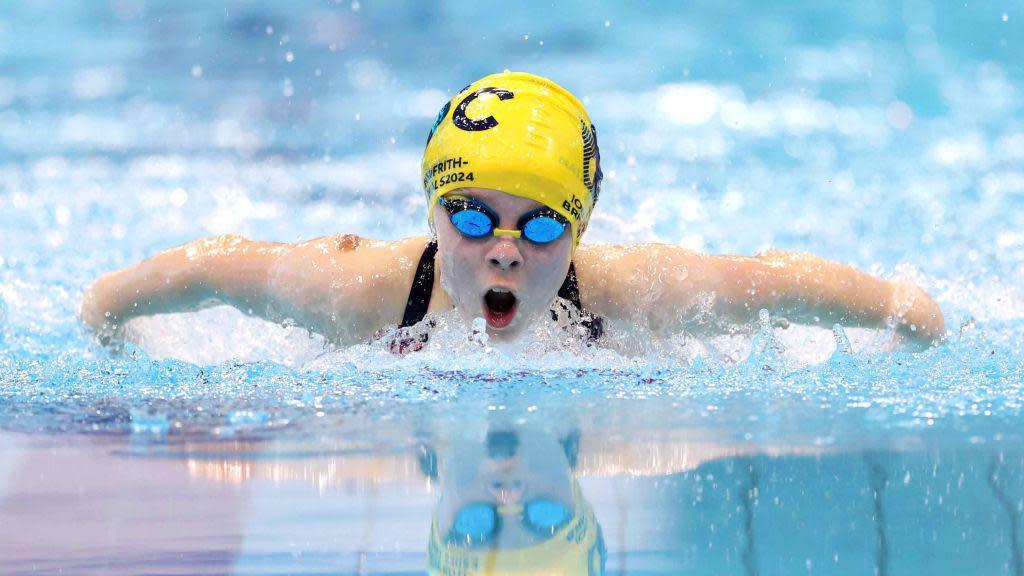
(578, 548)
(520, 134)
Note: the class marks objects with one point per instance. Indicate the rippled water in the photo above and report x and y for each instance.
(886, 135)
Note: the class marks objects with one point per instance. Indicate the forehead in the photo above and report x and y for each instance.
(501, 201)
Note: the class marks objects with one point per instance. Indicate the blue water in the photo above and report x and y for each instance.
(885, 135)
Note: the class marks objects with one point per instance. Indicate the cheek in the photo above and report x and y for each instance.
(550, 267)
(451, 251)
(455, 263)
(458, 265)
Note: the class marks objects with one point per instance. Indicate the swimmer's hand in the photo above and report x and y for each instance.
(918, 319)
(96, 314)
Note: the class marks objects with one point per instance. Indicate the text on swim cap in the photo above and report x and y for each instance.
(574, 207)
(431, 183)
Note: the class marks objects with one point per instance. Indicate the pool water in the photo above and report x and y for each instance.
(885, 135)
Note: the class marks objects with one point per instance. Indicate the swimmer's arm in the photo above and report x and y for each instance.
(671, 288)
(806, 289)
(313, 284)
(219, 269)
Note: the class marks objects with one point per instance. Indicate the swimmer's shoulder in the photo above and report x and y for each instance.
(376, 274)
(353, 246)
(597, 261)
(380, 262)
(614, 276)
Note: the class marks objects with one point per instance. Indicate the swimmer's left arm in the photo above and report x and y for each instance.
(673, 288)
(810, 290)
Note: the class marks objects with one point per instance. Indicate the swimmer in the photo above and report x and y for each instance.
(511, 173)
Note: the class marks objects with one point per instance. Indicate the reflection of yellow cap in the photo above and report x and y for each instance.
(520, 134)
(578, 548)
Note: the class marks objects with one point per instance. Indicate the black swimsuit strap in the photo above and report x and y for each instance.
(422, 287)
(570, 291)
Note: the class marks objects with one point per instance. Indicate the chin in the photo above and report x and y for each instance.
(524, 319)
(503, 334)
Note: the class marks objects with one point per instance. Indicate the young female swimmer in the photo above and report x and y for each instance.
(511, 172)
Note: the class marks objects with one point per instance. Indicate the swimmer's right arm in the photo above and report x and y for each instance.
(227, 269)
(325, 285)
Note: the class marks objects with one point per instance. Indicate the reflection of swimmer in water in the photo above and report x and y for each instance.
(510, 505)
(511, 172)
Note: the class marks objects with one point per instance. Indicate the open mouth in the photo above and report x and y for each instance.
(499, 307)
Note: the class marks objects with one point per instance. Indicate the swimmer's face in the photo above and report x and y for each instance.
(508, 281)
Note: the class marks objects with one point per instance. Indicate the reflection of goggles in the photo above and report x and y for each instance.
(576, 547)
(479, 523)
(473, 219)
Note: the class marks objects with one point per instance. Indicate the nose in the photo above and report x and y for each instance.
(505, 255)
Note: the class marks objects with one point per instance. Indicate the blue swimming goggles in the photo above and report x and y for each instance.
(479, 523)
(473, 219)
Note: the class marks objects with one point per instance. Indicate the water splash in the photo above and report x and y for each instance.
(766, 351)
(3, 319)
(843, 346)
(842, 357)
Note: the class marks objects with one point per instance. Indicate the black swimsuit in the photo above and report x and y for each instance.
(423, 286)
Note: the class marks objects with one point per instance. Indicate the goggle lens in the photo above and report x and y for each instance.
(475, 523)
(546, 516)
(472, 223)
(543, 229)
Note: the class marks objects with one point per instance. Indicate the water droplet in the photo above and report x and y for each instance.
(178, 197)
(766, 350)
(843, 345)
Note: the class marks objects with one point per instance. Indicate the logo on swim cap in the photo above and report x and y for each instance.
(592, 174)
(468, 124)
(440, 118)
